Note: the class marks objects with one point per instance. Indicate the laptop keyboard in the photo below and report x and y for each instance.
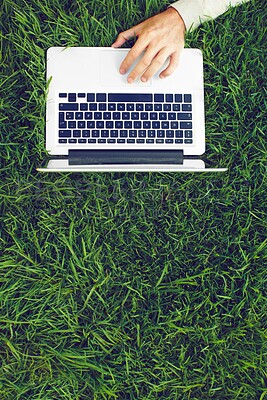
(125, 118)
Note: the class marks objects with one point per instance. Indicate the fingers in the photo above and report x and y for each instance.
(131, 57)
(174, 62)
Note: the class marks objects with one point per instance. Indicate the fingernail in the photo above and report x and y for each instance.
(130, 80)
(143, 79)
(122, 71)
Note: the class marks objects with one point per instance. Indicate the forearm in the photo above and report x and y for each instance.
(194, 12)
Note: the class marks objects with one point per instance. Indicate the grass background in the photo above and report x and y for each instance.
(133, 285)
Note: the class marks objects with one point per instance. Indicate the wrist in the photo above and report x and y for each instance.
(176, 17)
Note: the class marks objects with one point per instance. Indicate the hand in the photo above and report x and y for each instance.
(161, 36)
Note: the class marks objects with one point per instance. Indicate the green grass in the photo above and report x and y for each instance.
(133, 285)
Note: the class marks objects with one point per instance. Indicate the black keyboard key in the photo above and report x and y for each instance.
(93, 106)
(81, 95)
(132, 133)
(79, 115)
(111, 140)
(62, 95)
(107, 115)
(162, 115)
(102, 141)
(62, 141)
(144, 115)
(158, 98)
(171, 116)
(126, 115)
(64, 133)
(62, 124)
(153, 116)
(159, 141)
(165, 125)
(188, 134)
(69, 115)
(187, 98)
(101, 97)
(72, 97)
(102, 106)
(131, 141)
(155, 124)
(170, 133)
(135, 115)
(86, 133)
(141, 133)
(76, 133)
(137, 124)
(120, 107)
(174, 125)
(116, 115)
(118, 124)
(110, 124)
(157, 107)
(150, 141)
(187, 107)
(91, 124)
(130, 107)
(140, 141)
(179, 133)
(81, 124)
(178, 98)
(100, 124)
(91, 141)
(167, 107)
(130, 97)
(184, 116)
(88, 115)
(146, 124)
(61, 116)
(104, 133)
(84, 107)
(123, 133)
(90, 97)
(114, 133)
(112, 107)
(149, 107)
(169, 98)
(176, 107)
(68, 106)
(151, 133)
(186, 125)
(81, 140)
(168, 141)
(72, 141)
(95, 133)
(120, 141)
(160, 133)
(188, 141)
(98, 115)
(140, 107)
(128, 124)
(178, 141)
(72, 124)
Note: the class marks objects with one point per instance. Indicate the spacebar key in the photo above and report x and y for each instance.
(130, 97)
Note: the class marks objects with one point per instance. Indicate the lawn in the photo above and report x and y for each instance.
(133, 286)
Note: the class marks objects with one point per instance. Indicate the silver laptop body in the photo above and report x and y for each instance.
(97, 121)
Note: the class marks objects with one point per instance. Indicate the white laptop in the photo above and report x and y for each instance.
(97, 121)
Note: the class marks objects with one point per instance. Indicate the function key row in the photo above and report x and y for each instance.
(128, 97)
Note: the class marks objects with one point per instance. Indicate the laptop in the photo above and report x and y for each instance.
(97, 121)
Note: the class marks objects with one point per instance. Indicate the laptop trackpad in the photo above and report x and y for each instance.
(110, 64)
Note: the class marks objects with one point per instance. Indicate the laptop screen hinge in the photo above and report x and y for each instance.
(91, 157)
